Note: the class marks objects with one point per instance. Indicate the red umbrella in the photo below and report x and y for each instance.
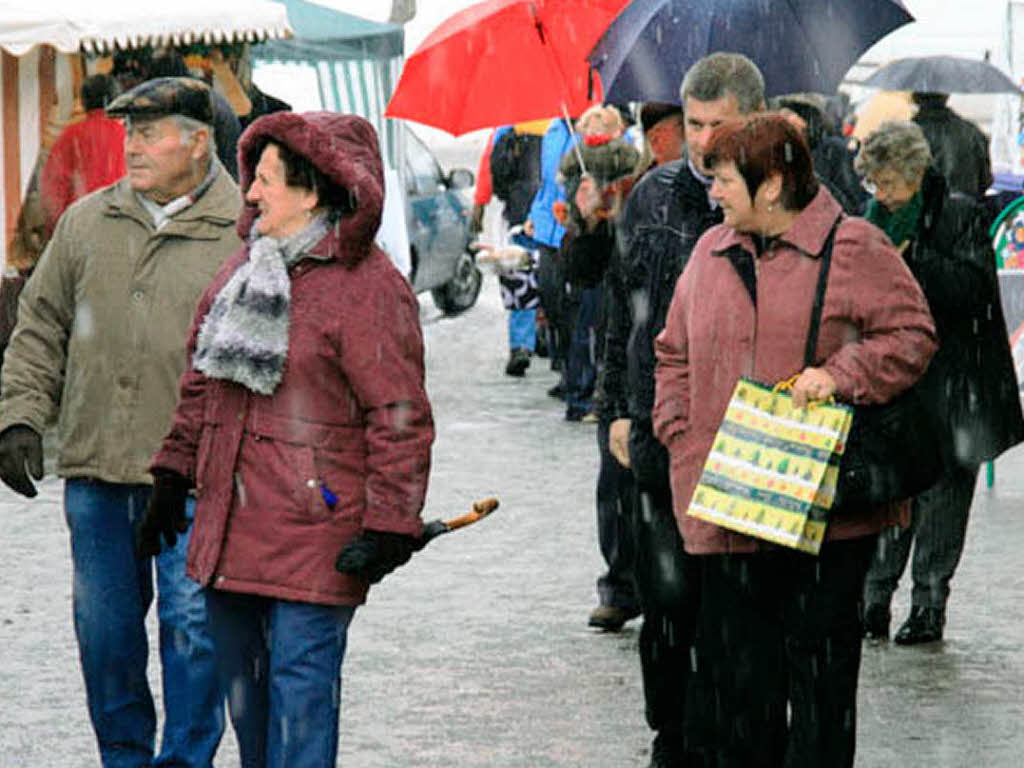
(504, 61)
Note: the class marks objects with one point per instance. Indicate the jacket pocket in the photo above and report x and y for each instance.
(203, 453)
(343, 474)
(307, 485)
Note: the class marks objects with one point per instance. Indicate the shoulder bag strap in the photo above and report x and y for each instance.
(819, 294)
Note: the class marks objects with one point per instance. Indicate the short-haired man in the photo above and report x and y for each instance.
(99, 347)
(665, 215)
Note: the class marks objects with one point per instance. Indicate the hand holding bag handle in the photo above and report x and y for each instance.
(893, 450)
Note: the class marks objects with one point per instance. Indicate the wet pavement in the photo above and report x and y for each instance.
(477, 654)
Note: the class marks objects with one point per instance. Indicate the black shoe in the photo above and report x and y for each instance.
(557, 392)
(518, 362)
(924, 625)
(667, 751)
(610, 618)
(876, 622)
(541, 350)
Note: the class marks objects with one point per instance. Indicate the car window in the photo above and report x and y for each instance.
(423, 175)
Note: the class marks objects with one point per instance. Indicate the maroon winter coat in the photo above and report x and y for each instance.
(350, 412)
(876, 339)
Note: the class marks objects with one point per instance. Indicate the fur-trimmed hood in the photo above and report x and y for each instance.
(345, 148)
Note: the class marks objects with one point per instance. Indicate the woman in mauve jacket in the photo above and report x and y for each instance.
(778, 641)
(303, 427)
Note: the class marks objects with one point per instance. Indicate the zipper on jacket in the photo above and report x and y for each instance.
(757, 290)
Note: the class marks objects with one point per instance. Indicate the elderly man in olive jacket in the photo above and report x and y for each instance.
(99, 347)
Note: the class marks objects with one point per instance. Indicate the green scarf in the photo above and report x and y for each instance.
(899, 226)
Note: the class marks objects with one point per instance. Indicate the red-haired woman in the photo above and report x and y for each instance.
(780, 629)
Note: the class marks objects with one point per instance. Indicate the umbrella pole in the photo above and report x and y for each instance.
(575, 144)
(561, 81)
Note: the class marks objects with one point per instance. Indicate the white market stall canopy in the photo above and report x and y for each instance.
(71, 26)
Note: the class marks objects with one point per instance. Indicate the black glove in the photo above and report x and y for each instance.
(21, 446)
(165, 514)
(373, 555)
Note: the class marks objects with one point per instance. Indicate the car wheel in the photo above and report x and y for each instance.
(459, 293)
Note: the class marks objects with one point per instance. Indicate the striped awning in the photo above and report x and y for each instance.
(73, 25)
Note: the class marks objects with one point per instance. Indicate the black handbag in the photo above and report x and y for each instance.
(893, 450)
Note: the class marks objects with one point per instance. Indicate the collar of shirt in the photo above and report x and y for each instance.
(704, 180)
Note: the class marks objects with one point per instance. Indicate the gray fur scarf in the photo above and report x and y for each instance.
(244, 336)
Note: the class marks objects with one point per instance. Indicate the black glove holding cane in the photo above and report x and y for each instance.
(165, 516)
(373, 555)
(21, 447)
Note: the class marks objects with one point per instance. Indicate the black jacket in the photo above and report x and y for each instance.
(665, 215)
(586, 255)
(959, 149)
(833, 165)
(970, 384)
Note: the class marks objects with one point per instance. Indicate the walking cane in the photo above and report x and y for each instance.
(435, 528)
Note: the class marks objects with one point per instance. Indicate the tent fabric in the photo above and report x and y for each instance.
(72, 26)
(323, 34)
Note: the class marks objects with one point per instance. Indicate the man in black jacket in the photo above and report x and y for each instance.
(665, 215)
(959, 148)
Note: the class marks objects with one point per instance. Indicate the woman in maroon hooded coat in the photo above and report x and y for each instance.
(304, 428)
(778, 639)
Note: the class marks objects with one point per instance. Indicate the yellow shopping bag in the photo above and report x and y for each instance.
(772, 468)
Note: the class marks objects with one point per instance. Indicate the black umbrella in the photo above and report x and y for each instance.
(799, 45)
(941, 74)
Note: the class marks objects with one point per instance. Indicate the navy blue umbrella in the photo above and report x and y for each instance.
(799, 45)
(942, 74)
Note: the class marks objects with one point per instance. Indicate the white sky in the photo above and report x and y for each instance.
(958, 27)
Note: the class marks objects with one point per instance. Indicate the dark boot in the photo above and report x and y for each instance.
(667, 751)
(610, 618)
(924, 625)
(518, 362)
(876, 622)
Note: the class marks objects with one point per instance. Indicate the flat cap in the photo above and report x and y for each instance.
(166, 96)
(653, 112)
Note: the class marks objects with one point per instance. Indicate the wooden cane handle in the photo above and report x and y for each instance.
(480, 509)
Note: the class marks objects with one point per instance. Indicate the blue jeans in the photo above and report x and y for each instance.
(582, 368)
(281, 663)
(111, 595)
(522, 329)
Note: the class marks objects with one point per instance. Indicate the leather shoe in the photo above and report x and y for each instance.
(610, 618)
(876, 622)
(924, 625)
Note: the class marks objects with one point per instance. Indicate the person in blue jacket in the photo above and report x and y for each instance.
(544, 228)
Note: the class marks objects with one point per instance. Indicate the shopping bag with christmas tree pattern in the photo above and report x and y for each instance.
(772, 468)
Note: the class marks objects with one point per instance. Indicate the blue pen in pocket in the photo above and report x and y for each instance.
(330, 499)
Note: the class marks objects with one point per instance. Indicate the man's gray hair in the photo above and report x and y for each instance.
(896, 145)
(719, 74)
(188, 126)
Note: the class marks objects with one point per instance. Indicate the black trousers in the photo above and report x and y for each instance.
(558, 307)
(938, 529)
(779, 628)
(668, 588)
(615, 494)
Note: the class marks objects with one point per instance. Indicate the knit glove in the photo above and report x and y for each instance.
(21, 448)
(164, 517)
(372, 555)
